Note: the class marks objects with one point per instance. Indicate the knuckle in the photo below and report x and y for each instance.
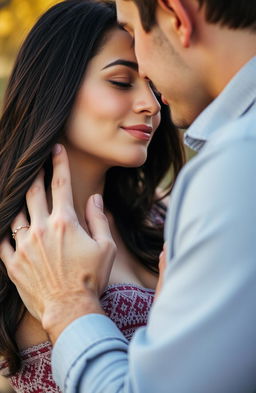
(58, 182)
(61, 222)
(37, 232)
(22, 249)
(34, 189)
(64, 218)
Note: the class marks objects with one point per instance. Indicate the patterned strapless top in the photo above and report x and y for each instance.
(127, 305)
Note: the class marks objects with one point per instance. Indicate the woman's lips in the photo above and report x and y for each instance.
(139, 131)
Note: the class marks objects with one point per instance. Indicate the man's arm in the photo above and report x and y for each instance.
(201, 332)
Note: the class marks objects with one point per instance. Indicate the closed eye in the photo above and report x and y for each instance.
(122, 85)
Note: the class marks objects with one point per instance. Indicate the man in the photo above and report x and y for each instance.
(201, 333)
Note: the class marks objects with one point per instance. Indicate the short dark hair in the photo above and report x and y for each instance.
(235, 14)
(147, 10)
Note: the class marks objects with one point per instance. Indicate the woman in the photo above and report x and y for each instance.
(76, 81)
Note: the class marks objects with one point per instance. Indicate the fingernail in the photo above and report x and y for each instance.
(97, 199)
(57, 149)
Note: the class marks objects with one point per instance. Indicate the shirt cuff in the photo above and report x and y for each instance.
(85, 338)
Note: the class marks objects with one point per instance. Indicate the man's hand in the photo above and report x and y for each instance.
(59, 270)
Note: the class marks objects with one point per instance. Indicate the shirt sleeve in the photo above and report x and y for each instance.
(201, 331)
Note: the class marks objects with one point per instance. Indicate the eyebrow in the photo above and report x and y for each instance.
(131, 64)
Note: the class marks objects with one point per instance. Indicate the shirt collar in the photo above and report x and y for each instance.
(236, 98)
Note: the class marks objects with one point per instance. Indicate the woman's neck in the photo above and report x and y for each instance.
(87, 178)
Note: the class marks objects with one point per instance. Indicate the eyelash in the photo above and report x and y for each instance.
(121, 85)
(124, 86)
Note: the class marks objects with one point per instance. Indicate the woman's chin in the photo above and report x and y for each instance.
(134, 162)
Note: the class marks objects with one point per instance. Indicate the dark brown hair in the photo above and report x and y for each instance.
(235, 14)
(147, 10)
(40, 95)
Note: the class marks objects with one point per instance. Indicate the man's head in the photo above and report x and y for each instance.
(190, 49)
(234, 14)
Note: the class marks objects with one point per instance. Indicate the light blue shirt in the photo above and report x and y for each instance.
(201, 334)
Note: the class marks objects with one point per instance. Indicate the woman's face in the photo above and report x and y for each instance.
(115, 113)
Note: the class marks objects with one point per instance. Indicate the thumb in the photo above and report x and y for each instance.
(96, 220)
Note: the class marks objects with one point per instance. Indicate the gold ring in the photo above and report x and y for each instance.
(18, 228)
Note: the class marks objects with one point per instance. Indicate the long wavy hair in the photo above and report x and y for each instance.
(39, 98)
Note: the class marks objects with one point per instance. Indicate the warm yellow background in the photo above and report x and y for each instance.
(16, 19)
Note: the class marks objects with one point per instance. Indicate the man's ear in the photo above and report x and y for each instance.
(180, 20)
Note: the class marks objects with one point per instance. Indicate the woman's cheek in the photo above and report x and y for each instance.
(109, 102)
(156, 120)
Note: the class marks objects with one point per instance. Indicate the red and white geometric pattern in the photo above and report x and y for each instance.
(127, 305)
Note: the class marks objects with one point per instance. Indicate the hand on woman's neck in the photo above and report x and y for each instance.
(87, 178)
